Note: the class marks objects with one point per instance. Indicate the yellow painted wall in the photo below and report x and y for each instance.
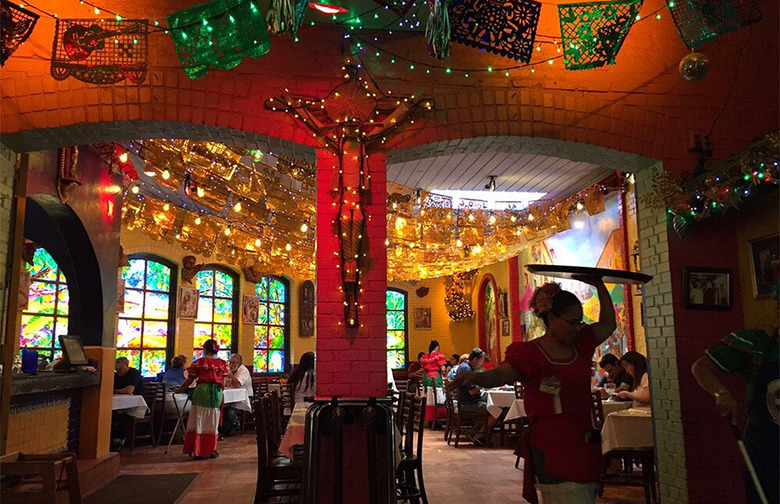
(756, 220)
(137, 242)
(454, 337)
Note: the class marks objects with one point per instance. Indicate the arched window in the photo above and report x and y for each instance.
(146, 324)
(217, 310)
(46, 315)
(272, 331)
(397, 328)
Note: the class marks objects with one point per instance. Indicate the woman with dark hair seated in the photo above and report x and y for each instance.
(303, 378)
(635, 365)
(200, 440)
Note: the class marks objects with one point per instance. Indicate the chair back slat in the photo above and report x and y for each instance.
(597, 410)
(275, 415)
(414, 423)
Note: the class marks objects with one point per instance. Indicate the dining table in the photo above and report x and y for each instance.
(612, 406)
(133, 405)
(627, 428)
(499, 399)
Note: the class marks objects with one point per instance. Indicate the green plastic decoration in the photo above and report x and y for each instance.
(700, 22)
(438, 29)
(592, 33)
(218, 34)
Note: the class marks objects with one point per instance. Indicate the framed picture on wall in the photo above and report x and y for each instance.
(422, 318)
(502, 304)
(188, 303)
(506, 327)
(707, 288)
(765, 264)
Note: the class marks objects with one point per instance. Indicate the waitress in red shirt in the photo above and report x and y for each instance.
(200, 440)
(562, 451)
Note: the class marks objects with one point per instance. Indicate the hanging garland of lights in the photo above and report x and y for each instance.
(353, 23)
(725, 186)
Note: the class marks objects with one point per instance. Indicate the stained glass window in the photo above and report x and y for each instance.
(395, 302)
(272, 336)
(146, 321)
(216, 310)
(46, 314)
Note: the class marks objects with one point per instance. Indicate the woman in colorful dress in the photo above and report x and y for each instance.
(434, 364)
(562, 451)
(200, 440)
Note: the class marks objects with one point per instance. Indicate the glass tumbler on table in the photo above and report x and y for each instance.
(609, 388)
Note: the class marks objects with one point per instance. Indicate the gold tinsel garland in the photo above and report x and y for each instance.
(272, 228)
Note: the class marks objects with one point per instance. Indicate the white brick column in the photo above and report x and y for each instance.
(7, 165)
(661, 347)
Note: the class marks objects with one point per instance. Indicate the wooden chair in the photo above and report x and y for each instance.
(645, 458)
(36, 479)
(402, 384)
(464, 419)
(519, 392)
(408, 487)
(597, 411)
(275, 416)
(152, 392)
(286, 401)
(259, 386)
(277, 476)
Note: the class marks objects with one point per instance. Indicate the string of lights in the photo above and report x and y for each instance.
(427, 67)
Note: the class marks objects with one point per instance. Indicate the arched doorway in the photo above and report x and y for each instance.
(487, 315)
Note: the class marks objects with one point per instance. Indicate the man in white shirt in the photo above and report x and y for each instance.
(239, 377)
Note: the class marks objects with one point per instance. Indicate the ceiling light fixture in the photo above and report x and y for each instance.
(491, 185)
(328, 9)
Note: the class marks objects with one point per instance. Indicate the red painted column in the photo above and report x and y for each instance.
(351, 362)
(515, 317)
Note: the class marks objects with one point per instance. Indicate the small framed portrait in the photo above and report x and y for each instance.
(707, 288)
(765, 264)
(506, 327)
(502, 304)
(188, 303)
(422, 318)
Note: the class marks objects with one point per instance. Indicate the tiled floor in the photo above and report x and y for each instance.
(452, 476)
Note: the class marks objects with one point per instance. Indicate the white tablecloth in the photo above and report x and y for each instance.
(237, 398)
(612, 406)
(629, 428)
(498, 400)
(133, 405)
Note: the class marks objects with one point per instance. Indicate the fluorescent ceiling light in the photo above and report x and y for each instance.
(497, 200)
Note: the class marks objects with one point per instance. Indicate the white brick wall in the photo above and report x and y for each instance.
(661, 348)
(7, 163)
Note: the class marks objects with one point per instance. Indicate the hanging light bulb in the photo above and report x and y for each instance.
(471, 217)
(387, 242)
(227, 231)
(135, 189)
(201, 192)
(288, 247)
(304, 227)
(530, 217)
(492, 219)
(123, 157)
(166, 174)
(257, 242)
(197, 221)
(477, 249)
(166, 207)
(237, 207)
(580, 206)
(459, 243)
(513, 218)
